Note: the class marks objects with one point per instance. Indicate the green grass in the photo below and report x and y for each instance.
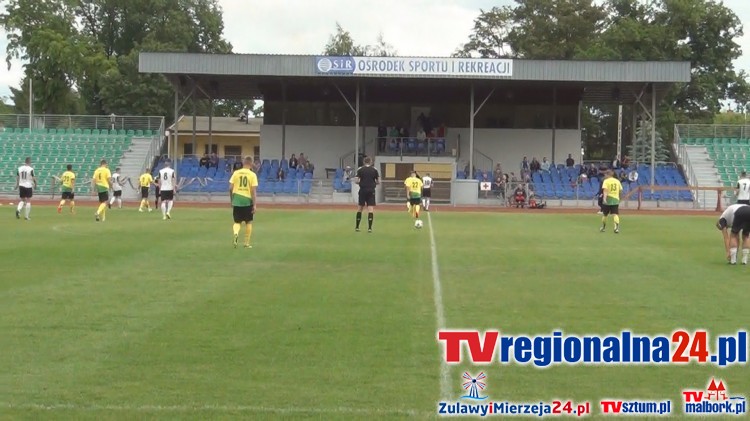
(138, 318)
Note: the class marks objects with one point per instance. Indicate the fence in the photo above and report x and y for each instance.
(83, 122)
(689, 131)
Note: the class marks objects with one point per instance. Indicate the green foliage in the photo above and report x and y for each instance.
(640, 151)
(703, 32)
(341, 43)
(86, 52)
(731, 117)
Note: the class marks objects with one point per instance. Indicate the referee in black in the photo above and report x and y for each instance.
(367, 178)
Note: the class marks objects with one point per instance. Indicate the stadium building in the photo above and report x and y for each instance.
(478, 112)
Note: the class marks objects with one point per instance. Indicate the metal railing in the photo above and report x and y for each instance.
(738, 131)
(411, 146)
(154, 148)
(83, 122)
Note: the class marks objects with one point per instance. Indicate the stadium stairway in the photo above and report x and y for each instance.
(706, 174)
(132, 164)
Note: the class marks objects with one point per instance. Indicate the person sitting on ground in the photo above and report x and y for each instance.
(519, 197)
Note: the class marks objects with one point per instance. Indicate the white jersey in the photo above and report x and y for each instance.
(166, 179)
(427, 182)
(728, 214)
(743, 185)
(25, 176)
(116, 186)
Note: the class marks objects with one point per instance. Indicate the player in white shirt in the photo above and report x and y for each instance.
(25, 183)
(426, 192)
(167, 185)
(117, 182)
(743, 189)
(724, 224)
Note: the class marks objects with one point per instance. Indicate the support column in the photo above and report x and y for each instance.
(173, 153)
(580, 130)
(653, 135)
(356, 129)
(554, 121)
(195, 115)
(633, 136)
(283, 119)
(211, 126)
(471, 135)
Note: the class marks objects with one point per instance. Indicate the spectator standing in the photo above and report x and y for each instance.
(293, 161)
(524, 164)
(570, 162)
(535, 165)
(545, 164)
(382, 134)
(348, 173)
(625, 162)
(302, 160)
(394, 132)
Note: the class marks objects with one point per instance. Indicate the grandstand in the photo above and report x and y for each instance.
(80, 145)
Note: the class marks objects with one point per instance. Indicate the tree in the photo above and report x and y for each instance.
(89, 48)
(640, 151)
(490, 36)
(381, 48)
(341, 43)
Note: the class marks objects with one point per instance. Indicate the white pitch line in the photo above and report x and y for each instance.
(439, 313)
(210, 408)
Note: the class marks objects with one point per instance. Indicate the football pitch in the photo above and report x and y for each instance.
(140, 318)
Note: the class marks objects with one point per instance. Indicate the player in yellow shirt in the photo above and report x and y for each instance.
(68, 179)
(242, 189)
(611, 189)
(145, 181)
(413, 186)
(100, 184)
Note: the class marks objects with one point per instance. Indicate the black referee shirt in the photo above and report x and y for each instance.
(368, 177)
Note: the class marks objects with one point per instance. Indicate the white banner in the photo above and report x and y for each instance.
(415, 66)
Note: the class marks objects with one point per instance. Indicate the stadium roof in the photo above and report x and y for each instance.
(242, 76)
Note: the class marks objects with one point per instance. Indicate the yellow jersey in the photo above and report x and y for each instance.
(68, 179)
(101, 178)
(414, 184)
(242, 183)
(145, 179)
(613, 188)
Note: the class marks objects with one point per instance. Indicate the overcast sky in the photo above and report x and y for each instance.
(413, 27)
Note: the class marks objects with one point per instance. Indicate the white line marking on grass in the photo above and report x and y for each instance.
(439, 314)
(210, 408)
(62, 229)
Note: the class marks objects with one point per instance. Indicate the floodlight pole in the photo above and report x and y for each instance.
(554, 121)
(356, 124)
(211, 125)
(619, 132)
(283, 119)
(173, 153)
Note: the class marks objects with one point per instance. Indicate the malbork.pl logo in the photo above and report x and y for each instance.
(715, 400)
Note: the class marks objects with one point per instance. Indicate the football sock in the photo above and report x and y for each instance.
(416, 211)
(62, 202)
(164, 208)
(359, 218)
(733, 255)
(745, 255)
(119, 202)
(236, 229)
(169, 206)
(102, 206)
(72, 205)
(112, 200)
(20, 205)
(427, 204)
(370, 217)
(28, 209)
(248, 233)
(617, 219)
(141, 205)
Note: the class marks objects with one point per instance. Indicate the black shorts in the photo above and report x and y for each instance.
(68, 195)
(117, 193)
(610, 209)
(366, 197)
(167, 195)
(743, 202)
(157, 193)
(427, 192)
(415, 200)
(25, 192)
(144, 192)
(103, 196)
(242, 214)
(741, 221)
